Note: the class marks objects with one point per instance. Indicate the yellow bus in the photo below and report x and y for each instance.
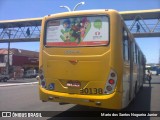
(89, 58)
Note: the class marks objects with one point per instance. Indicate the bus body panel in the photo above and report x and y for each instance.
(111, 101)
(88, 71)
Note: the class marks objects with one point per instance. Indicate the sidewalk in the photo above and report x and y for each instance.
(17, 82)
(24, 80)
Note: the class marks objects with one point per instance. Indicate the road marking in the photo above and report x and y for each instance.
(18, 84)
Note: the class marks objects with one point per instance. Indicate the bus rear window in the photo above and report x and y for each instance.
(78, 31)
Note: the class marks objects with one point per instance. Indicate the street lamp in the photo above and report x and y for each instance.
(78, 4)
(66, 8)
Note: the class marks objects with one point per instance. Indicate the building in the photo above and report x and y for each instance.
(19, 61)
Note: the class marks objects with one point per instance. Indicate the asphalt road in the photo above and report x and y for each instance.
(26, 98)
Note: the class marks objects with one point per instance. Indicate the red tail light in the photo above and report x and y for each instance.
(111, 81)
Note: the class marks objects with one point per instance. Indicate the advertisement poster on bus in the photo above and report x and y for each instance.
(78, 31)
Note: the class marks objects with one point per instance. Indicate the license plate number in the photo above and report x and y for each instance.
(91, 91)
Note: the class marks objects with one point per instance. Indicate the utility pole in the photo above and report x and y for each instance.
(8, 55)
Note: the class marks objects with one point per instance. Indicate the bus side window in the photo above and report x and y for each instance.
(125, 46)
(134, 52)
(140, 58)
(138, 55)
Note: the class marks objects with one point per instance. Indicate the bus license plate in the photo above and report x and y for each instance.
(71, 83)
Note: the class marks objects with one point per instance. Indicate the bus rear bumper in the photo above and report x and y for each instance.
(111, 101)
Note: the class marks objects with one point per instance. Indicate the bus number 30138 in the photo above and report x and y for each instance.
(91, 91)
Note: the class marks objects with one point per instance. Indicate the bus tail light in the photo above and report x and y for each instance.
(43, 83)
(108, 88)
(110, 83)
(41, 78)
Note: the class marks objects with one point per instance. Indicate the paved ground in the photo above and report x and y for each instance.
(26, 98)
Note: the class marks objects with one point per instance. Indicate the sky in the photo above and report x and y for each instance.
(22, 9)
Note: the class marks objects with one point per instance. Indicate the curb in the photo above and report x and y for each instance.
(18, 84)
